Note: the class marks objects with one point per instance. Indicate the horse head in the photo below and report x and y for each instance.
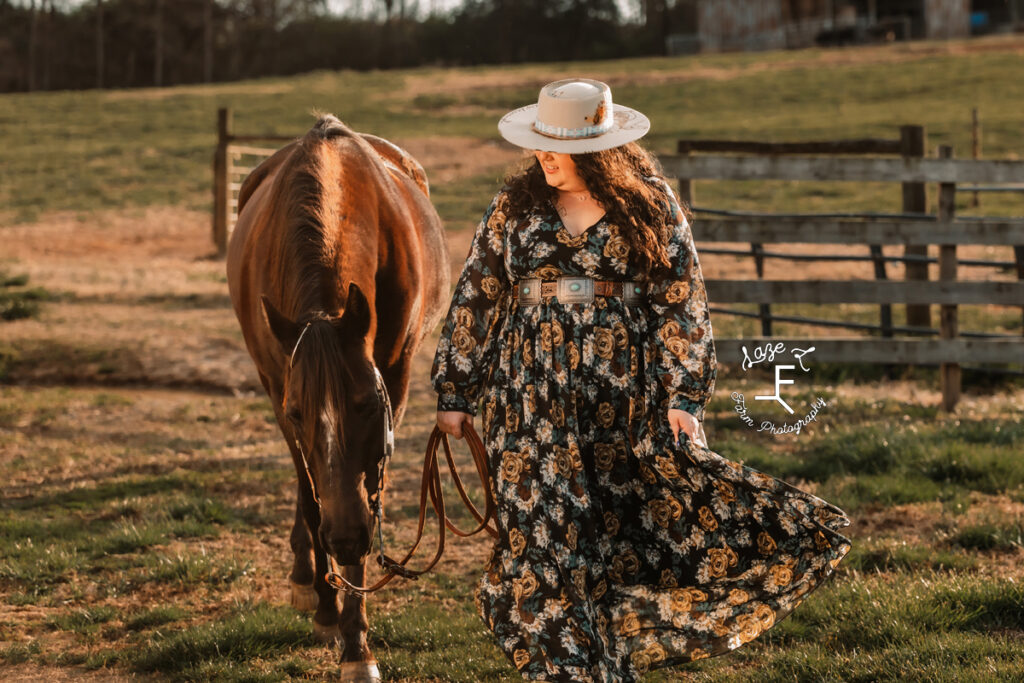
(336, 413)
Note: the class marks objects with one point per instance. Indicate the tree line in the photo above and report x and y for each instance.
(69, 44)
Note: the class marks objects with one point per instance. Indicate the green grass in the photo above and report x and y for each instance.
(194, 568)
(250, 632)
(116, 525)
(92, 150)
(126, 571)
(907, 558)
(932, 626)
(1004, 536)
(83, 620)
(154, 617)
(19, 653)
(428, 641)
(17, 300)
(892, 461)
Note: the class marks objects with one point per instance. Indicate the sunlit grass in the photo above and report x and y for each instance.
(60, 155)
(250, 632)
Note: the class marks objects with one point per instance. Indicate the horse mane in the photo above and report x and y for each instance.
(311, 203)
(320, 358)
(312, 254)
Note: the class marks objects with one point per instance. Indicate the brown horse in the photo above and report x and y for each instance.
(337, 267)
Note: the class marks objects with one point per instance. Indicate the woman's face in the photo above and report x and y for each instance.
(560, 171)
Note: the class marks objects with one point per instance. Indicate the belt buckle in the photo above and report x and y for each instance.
(575, 290)
(529, 290)
(632, 292)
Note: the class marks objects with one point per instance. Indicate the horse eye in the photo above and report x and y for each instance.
(294, 414)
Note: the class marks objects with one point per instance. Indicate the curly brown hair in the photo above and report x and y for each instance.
(628, 184)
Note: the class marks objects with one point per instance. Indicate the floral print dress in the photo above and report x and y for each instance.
(619, 551)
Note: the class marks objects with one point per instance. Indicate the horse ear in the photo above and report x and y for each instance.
(356, 318)
(284, 330)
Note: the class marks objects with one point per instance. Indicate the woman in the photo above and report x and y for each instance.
(580, 322)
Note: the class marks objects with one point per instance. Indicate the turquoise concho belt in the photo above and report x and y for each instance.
(576, 290)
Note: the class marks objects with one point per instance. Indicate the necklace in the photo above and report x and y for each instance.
(582, 195)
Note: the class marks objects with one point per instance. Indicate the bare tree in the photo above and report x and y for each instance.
(48, 42)
(158, 44)
(33, 45)
(656, 23)
(99, 44)
(208, 41)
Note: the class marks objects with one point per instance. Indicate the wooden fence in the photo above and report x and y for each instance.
(234, 158)
(914, 230)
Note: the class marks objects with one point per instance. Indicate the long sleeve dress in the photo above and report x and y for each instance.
(619, 551)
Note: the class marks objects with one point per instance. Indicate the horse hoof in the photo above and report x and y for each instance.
(328, 635)
(304, 598)
(359, 672)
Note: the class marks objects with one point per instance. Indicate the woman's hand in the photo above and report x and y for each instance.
(680, 419)
(451, 421)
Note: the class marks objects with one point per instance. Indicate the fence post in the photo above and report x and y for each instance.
(685, 184)
(948, 324)
(1018, 257)
(885, 310)
(221, 194)
(975, 147)
(764, 310)
(915, 200)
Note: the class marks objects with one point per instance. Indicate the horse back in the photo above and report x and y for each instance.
(401, 159)
(375, 226)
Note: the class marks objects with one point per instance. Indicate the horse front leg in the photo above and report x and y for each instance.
(310, 589)
(328, 611)
(302, 576)
(357, 662)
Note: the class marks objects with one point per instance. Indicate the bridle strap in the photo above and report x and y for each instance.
(291, 358)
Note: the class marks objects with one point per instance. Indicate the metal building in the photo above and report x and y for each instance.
(726, 25)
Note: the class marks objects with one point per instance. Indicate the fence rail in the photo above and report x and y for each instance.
(865, 291)
(886, 351)
(842, 169)
(914, 230)
(229, 173)
(797, 230)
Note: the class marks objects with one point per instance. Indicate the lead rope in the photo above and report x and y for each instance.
(430, 487)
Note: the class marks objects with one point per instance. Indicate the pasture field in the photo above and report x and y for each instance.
(147, 495)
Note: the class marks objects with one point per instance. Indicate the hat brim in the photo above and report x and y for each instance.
(517, 127)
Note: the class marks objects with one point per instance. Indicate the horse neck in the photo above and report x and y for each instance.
(331, 217)
(312, 281)
(314, 255)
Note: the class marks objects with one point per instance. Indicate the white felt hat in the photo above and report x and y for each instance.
(573, 116)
